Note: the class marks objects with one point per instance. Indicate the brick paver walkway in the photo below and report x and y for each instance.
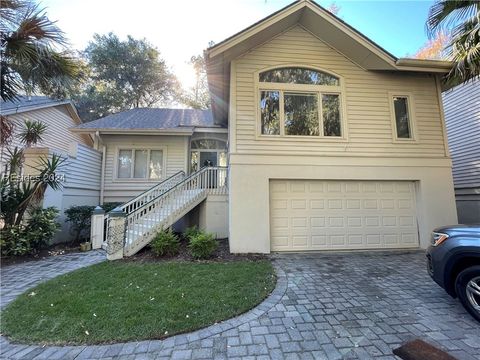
(18, 278)
(325, 306)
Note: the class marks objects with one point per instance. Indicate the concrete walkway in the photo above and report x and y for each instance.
(351, 306)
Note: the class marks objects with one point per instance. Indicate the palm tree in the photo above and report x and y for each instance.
(32, 51)
(32, 132)
(461, 19)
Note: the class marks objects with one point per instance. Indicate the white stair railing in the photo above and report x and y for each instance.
(152, 193)
(130, 228)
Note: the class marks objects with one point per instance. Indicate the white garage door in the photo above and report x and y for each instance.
(339, 215)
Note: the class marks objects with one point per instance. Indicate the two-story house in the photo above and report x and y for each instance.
(333, 144)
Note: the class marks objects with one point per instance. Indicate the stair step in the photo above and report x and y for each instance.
(150, 212)
(141, 233)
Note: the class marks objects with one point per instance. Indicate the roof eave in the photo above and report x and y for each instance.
(296, 9)
(200, 129)
(430, 66)
(317, 20)
(22, 109)
(106, 131)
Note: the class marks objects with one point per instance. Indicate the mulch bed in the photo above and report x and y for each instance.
(222, 254)
(54, 250)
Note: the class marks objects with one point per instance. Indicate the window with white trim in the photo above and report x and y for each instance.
(140, 164)
(296, 101)
(402, 117)
(207, 152)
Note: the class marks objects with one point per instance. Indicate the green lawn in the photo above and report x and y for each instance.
(122, 301)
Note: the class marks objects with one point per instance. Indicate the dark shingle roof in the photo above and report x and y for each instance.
(151, 118)
(25, 103)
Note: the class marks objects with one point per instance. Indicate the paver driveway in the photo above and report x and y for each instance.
(325, 306)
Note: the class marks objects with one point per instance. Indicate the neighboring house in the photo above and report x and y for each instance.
(462, 116)
(333, 144)
(80, 172)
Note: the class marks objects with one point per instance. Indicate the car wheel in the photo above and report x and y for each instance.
(467, 287)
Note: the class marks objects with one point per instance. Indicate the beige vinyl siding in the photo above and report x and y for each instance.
(366, 94)
(462, 117)
(57, 137)
(175, 159)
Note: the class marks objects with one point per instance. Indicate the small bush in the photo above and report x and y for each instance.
(13, 242)
(202, 245)
(79, 217)
(38, 233)
(165, 243)
(41, 227)
(109, 206)
(191, 232)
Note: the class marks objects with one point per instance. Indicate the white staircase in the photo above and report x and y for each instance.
(134, 224)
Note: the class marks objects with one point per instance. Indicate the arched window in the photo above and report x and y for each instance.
(298, 75)
(297, 101)
(208, 144)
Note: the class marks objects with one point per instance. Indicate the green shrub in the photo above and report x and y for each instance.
(37, 233)
(109, 206)
(41, 227)
(202, 245)
(13, 241)
(165, 243)
(79, 217)
(191, 232)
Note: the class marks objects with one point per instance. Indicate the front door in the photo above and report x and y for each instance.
(208, 158)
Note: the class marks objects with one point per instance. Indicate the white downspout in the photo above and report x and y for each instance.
(102, 180)
(102, 175)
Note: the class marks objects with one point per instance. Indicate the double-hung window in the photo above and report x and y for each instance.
(140, 164)
(298, 101)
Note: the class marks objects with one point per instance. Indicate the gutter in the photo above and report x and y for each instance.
(176, 131)
(438, 66)
(21, 109)
(211, 130)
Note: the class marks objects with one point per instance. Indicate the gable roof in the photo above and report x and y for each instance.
(32, 103)
(29, 103)
(151, 119)
(322, 24)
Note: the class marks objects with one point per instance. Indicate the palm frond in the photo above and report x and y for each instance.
(6, 130)
(9, 10)
(32, 52)
(32, 132)
(36, 26)
(446, 14)
(464, 51)
(14, 160)
(48, 169)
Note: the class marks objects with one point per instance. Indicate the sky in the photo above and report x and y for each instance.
(182, 28)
